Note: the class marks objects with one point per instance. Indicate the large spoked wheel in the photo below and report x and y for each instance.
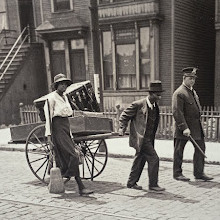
(37, 152)
(95, 158)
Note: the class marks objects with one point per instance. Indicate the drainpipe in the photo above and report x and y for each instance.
(41, 11)
(96, 50)
(172, 47)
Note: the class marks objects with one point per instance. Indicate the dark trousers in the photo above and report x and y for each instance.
(198, 158)
(147, 153)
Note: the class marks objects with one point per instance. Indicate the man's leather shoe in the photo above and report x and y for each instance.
(182, 178)
(85, 192)
(135, 186)
(156, 188)
(204, 178)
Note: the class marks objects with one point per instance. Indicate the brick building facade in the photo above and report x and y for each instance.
(123, 44)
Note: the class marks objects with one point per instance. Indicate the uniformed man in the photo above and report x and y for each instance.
(187, 114)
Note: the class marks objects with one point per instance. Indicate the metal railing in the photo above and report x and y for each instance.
(15, 53)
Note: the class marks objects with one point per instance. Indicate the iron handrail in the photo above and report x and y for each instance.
(9, 53)
(2, 75)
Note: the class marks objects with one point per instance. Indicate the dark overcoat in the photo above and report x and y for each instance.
(137, 114)
(187, 113)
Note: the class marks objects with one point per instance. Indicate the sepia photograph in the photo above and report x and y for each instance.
(110, 109)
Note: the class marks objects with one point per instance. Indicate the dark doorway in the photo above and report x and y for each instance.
(57, 57)
(27, 17)
(77, 65)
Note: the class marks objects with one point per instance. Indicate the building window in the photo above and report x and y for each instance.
(125, 58)
(125, 66)
(61, 5)
(77, 44)
(3, 16)
(129, 64)
(58, 45)
(145, 57)
(111, 1)
(104, 1)
(107, 60)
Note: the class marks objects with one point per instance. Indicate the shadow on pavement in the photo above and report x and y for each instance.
(206, 185)
(99, 187)
(117, 189)
(168, 196)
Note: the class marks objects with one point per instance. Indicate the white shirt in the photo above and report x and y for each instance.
(58, 106)
(151, 106)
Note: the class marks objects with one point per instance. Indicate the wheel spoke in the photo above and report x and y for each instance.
(39, 147)
(46, 169)
(37, 153)
(94, 167)
(41, 166)
(88, 166)
(38, 159)
(89, 155)
(39, 141)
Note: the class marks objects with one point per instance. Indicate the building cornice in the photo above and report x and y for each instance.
(113, 12)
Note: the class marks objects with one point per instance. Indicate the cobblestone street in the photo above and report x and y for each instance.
(22, 196)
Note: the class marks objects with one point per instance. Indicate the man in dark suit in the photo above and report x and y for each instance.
(187, 113)
(144, 119)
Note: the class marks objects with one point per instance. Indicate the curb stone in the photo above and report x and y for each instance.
(19, 149)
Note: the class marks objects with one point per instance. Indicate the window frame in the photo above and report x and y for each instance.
(137, 43)
(60, 11)
(3, 14)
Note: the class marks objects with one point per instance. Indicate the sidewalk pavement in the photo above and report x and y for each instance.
(119, 147)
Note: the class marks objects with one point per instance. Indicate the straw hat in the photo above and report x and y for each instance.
(61, 78)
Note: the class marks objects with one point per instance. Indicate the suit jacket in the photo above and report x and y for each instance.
(187, 113)
(137, 114)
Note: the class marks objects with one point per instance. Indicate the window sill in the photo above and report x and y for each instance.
(63, 11)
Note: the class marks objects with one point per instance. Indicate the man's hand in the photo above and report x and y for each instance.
(186, 132)
(121, 132)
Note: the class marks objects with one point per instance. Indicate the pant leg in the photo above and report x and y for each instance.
(198, 159)
(136, 169)
(179, 146)
(153, 162)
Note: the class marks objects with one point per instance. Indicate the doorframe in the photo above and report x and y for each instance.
(33, 15)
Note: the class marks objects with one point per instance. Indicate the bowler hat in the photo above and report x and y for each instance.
(190, 71)
(155, 86)
(61, 78)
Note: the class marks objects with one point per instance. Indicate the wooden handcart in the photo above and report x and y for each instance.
(89, 127)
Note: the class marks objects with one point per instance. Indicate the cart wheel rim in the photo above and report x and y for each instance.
(38, 153)
(95, 158)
